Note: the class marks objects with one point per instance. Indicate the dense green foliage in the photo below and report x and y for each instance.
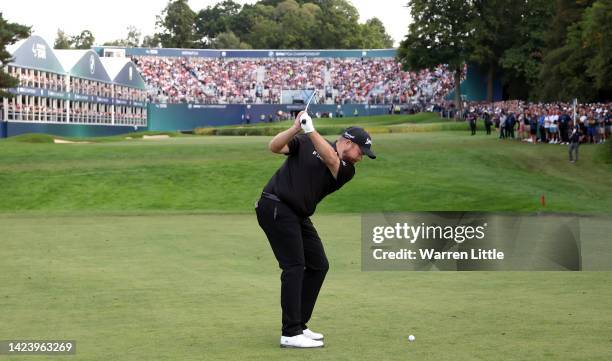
(269, 24)
(545, 50)
(84, 40)
(10, 33)
(440, 33)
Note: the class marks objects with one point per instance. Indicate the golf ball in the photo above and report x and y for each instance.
(411, 338)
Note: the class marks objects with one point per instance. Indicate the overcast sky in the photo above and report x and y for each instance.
(109, 19)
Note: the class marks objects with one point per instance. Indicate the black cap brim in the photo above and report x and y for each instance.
(368, 152)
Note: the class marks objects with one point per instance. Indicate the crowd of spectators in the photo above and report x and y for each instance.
(551, 123)
(384, 82)
(219, 79)
(339, 81)
(33, 78)
(169, 80)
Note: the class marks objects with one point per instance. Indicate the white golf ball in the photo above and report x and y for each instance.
(411, 338)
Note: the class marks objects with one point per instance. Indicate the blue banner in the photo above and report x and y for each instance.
(269, 53)
(74, 97)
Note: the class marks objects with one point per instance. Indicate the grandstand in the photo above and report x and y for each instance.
(70, 92)
(223, 80)
(112, 90)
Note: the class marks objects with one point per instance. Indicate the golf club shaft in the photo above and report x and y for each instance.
(308, 103)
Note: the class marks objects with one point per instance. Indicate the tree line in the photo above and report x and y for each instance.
(267, 24)
(543, 50)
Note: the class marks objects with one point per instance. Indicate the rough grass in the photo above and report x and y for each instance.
(48, 138)
(32, 138)
(414, 171)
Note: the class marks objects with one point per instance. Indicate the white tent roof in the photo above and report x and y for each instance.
(69, 58)
(113, 65)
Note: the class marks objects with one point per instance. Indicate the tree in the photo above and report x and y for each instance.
(265, 32)
(522, 60)
(494, 30)
(176, 25)
(62, 41)
(290, 24)
(374, 35)
(84, 40)
(10, 33)
(563, 74)
(337, 25)
(229, 40)
(150, 41)
(440, 33)
(214, 20)
(509, 35)
(297, 23)
(131, 40)
(567, 12)
(596, 35)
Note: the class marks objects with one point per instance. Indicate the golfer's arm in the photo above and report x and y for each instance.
(278, 144)
(326, 152)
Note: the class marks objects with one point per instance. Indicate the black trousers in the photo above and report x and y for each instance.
(301, 257)
(564, 134)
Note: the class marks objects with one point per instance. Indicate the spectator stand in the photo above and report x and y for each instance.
(69, 92)
(128, 92)
(41, 94)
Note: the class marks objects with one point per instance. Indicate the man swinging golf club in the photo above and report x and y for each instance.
(313, 169)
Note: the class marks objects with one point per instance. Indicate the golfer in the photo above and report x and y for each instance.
(313, 169)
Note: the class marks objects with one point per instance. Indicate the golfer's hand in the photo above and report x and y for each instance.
(297, 124)
(306, 122)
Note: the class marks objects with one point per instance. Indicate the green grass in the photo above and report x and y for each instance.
(150, 250)
(414, 171)
(48, 138)
(330, 126)
(374, 120)
(206, 287)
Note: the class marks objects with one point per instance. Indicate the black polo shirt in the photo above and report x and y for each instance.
(304, 180)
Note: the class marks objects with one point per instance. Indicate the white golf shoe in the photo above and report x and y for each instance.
(299, 341)
(313, 335)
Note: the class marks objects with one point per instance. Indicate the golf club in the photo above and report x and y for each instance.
(308, 103)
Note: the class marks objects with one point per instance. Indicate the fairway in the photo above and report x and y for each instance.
(205, 287)
(150, 250)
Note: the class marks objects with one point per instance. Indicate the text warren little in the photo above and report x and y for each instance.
(432, 254)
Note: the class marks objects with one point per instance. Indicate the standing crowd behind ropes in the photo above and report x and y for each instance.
(550, 123)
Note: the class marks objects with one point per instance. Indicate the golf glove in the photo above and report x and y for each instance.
(306, 123)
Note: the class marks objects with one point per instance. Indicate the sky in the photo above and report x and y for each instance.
(108, 19)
